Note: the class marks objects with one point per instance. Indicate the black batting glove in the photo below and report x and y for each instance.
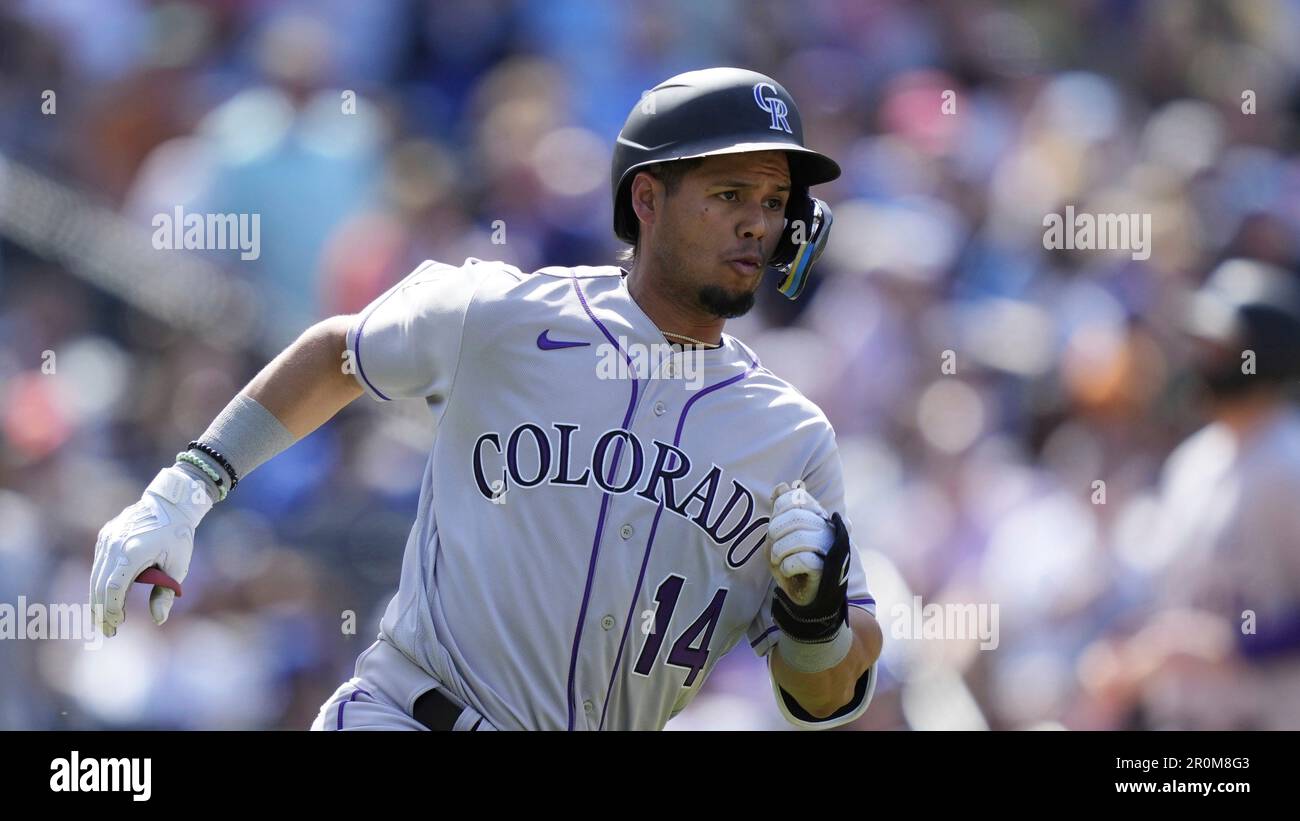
(819, 620)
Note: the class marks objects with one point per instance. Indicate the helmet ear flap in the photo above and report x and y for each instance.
(807, 229)
(798, 210)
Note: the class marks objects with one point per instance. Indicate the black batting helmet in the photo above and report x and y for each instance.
(728, 111)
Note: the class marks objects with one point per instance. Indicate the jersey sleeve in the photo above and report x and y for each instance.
(825, 481)
(407, 343)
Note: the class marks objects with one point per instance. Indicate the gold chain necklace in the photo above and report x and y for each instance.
(689, 339)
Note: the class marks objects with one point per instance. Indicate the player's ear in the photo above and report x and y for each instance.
(647, 197)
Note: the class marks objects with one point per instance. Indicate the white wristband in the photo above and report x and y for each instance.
(814, 658)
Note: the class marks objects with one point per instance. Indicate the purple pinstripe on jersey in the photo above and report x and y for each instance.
(645, 560)
(604, 501)
(360, 370)
(360, 328)
(342, 704)
(631, 610)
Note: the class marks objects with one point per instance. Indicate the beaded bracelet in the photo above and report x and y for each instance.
(190, 459)
(221, 460)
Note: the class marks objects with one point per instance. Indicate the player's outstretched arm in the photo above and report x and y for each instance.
(292, 396)
(307, 384)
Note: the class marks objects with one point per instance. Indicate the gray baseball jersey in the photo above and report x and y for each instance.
(590, 534)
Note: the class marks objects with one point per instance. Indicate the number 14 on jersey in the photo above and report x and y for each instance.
(691, 649)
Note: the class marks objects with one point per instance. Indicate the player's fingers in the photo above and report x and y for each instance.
(175, 562)
(780, 490)
(105, 553)
(814, 538)
(794, 520)
(793, 545)
(783, 503)
(790, 503)
(175, 565)
(121, 573)
(164, 592)
(153, 575)
(801, 564)
(94, 572)
(160, 603)
(796, 497)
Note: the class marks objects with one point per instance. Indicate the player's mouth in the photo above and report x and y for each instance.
(747, 264)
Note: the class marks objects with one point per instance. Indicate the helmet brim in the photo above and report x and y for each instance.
(807, 167)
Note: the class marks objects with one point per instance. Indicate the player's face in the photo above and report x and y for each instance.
(720, 227)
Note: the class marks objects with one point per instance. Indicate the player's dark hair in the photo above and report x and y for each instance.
(671, 175)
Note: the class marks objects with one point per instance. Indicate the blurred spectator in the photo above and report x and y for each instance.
(1219, 648)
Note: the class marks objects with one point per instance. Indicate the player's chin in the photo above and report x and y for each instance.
(727, 303)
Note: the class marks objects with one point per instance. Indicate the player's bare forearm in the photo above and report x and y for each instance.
(821, 694)
(307, 384)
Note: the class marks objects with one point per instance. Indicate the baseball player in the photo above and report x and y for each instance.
(586, 547)
(1219, 646)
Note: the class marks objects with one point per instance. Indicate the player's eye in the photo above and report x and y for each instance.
(725, 194)
(776, 204)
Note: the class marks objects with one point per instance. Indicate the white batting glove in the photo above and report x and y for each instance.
(157, 531)
(799, 535)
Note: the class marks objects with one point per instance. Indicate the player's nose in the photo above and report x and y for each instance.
(754, 222)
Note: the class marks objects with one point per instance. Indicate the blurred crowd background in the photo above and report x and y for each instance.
(973, 487)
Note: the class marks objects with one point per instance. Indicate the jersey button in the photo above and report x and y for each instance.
(660, 409)
(588, 706)
(607, 622)
(625, 531)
